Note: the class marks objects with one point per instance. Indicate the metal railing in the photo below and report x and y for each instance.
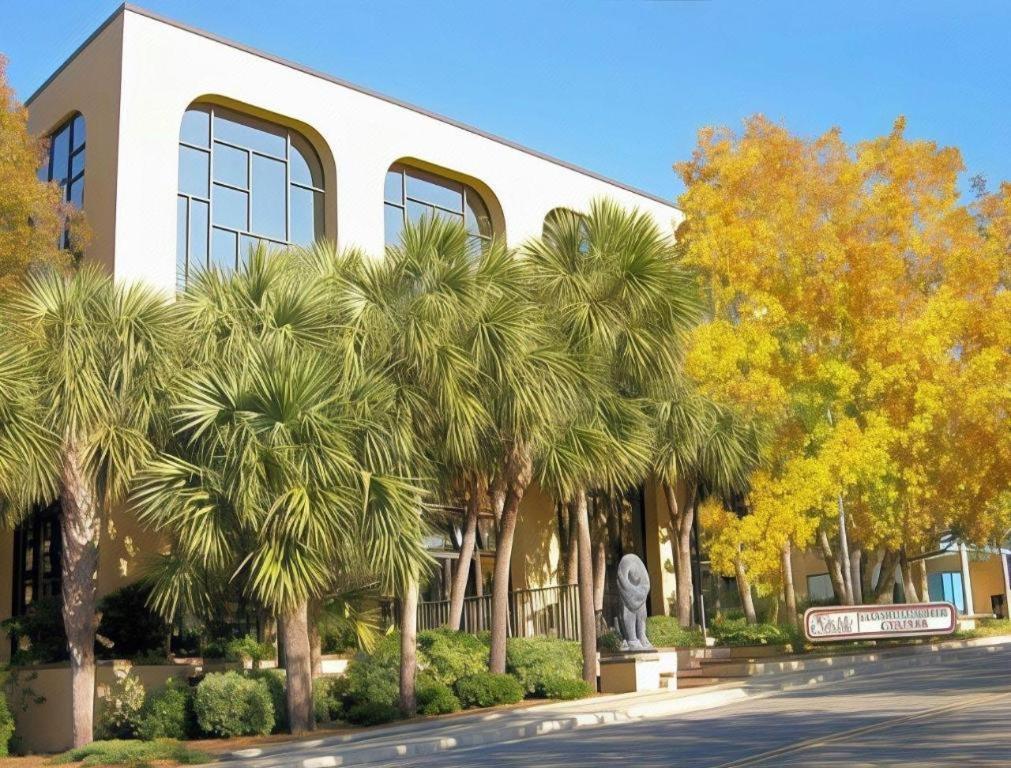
(544, 612)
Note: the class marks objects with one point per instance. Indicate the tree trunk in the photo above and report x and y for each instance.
(908, 586)
(681, 519)
(587, 615)
(519, 475)
(744, 588)
(856, 574)
(789, 593)
(834, 568)
(600, 533)
(459, 587)
(886, 578)
(81, 529)
(315, 640)
(409, 648)
(924, 582)
(298, 668)
(572, 561)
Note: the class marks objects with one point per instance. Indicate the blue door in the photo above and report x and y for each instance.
(947, 586)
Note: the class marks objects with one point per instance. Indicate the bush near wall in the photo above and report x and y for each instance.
(435, 698)
(229, 704)
(6, 726)
(666, 632)
(532, 660)
(447, 655)
(739, 632)
(487, 689)
(168, 713)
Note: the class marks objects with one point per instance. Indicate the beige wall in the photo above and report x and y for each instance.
(659, 551)
(536, 549)
(46, 726)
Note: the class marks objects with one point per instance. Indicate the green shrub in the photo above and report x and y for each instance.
(486, 690)
(6, 726)
(329, 698)
(38, 634)
(375, 677)
(666, 632)
(133, 753)
(566, 688)
(120, 714)
(447, 655)
(168, 713)
(130, 629)
(739, 632)
(372, 713)
(249, 650)
(435, 698)
(274, 679)
(229, 704)
(531, 659)
(609, 642)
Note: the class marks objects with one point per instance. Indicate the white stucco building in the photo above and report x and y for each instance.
(146, 89)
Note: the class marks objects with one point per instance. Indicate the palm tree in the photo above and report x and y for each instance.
(85, 364)
(612, 281)
(287, 458)
(479, 372)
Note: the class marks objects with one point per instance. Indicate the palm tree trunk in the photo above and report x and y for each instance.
(789, 593)
(315, 640)
(520, 474)
(681, 520)
(459, 586)
(298, 668)
(81, 528)
(587, 615)
(409, 649)
(567, 531)
(600, 533)
(744, 588)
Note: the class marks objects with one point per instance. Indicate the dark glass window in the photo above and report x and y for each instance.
(37, 558)
(242, 181)
(410, 193)
(65, 164)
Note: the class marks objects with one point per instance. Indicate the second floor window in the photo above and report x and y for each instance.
(242, 181)
(411, 193)
(65, 164)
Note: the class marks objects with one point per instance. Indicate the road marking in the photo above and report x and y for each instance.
(818, 741)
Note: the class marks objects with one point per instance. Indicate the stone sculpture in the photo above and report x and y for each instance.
(633, 588)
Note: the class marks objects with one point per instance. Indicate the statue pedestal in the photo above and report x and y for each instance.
(629, 672)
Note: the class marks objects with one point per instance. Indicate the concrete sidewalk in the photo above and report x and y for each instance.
(430, 736)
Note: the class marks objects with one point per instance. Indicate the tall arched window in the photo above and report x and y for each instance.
(65, 164)
(242, 181)
(411, 193)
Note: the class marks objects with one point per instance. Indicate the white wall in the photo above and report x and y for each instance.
(359, 135)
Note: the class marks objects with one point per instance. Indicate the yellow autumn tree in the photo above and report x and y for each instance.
(860, 309)
(32, 213)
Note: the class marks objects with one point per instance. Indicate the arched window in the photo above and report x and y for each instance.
(65, 164)
(242, 181)
(411, 193)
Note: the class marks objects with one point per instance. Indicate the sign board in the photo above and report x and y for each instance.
(867, 622)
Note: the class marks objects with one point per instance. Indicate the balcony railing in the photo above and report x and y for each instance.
(544, 612)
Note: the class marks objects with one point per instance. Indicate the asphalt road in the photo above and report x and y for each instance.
(953, 714)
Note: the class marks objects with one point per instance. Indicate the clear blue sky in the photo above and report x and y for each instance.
(620, 87)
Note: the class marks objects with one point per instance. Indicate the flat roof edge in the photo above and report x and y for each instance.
(345, 84)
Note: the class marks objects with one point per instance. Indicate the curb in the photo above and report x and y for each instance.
(355, 750)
